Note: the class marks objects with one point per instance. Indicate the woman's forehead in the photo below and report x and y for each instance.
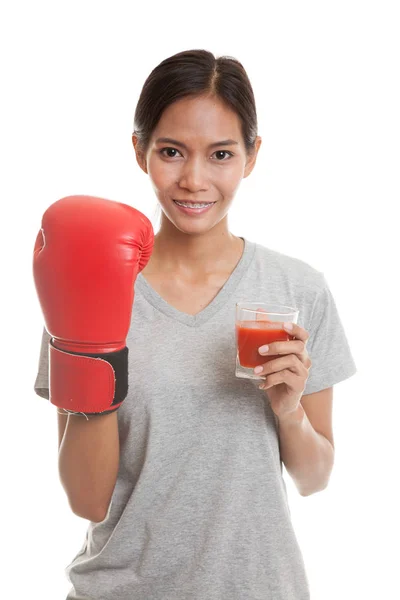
(199, 120)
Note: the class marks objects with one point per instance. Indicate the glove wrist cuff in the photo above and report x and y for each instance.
(87, 383)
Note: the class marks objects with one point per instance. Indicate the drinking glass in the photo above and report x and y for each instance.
(257, 324)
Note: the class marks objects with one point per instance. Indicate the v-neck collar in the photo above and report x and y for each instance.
(220, 299)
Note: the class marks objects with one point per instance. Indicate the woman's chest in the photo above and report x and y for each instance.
(188, 298)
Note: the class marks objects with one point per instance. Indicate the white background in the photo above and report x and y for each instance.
(325, 189)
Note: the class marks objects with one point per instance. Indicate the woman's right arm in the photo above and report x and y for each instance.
(88, 462)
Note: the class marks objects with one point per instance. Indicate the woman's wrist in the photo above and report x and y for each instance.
(294, 417)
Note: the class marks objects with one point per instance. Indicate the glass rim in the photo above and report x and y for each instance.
(268, 312)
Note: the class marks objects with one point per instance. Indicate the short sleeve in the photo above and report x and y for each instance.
(327, 346)
(41, 386)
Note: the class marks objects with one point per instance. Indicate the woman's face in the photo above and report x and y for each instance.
(194, 166)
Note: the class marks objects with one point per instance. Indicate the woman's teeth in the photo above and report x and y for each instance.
(191, 205)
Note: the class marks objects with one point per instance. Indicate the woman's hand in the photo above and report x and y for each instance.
(287, 375)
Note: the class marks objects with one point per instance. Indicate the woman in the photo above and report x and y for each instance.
(196, 504)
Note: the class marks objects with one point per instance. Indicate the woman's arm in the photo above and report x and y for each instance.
(306, 442)
(88, 463)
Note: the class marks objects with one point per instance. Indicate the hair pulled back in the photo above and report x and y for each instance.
(196, 73)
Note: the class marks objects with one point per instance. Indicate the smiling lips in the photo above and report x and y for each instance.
(194, 208)
(193, 203)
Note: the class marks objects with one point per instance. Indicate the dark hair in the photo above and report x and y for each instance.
(196, 73)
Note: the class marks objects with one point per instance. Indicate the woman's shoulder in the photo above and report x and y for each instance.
(293, 267)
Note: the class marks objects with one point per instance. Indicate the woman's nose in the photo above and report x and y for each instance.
(193, 176)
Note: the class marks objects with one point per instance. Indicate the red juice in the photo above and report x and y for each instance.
(250, 335)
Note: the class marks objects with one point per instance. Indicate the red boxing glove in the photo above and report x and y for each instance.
(86, 260)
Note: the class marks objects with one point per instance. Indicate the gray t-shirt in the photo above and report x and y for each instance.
(200, 508)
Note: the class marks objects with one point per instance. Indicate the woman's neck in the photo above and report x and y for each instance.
(189, 257)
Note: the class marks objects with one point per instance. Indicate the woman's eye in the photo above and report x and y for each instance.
(224, 152)
(173, 150)
(218, 152)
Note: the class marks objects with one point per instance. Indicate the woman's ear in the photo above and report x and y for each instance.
(251, 161)
(139, 154)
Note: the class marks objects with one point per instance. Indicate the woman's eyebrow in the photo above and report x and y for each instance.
(166, 140)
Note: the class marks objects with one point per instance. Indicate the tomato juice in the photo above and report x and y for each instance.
(250, 335)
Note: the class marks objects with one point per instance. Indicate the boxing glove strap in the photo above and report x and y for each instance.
(87, 383)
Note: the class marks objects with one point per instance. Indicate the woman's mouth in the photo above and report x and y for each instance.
(194, 208)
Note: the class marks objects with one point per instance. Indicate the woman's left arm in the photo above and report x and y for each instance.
(307, 454)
